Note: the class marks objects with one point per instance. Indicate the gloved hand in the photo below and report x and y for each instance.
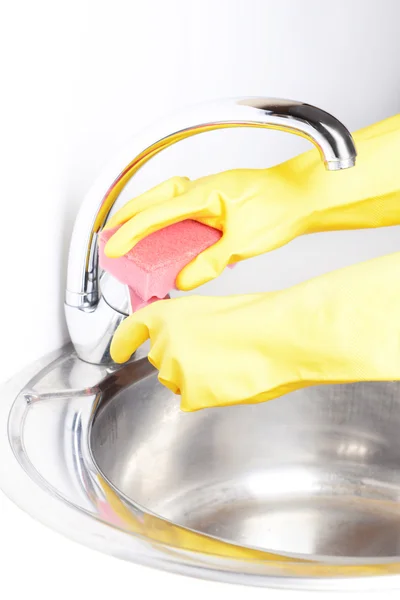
(337, 328)
(252, 207)
(260, 210)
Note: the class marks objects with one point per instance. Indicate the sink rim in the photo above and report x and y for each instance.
(92, 530)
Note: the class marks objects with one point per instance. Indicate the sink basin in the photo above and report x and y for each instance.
(315, 473)
(303, 491)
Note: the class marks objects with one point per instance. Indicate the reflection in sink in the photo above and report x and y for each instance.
(315, 472)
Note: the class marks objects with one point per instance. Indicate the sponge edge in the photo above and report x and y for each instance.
(137, 302)
(150, 269)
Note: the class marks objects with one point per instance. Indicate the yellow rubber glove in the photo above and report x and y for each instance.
(340, 327)
(260, 210)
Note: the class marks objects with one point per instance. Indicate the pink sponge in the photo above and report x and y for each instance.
(151, 267)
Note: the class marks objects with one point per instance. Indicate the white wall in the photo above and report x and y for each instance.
(82, 76)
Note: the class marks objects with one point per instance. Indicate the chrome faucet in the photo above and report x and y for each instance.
(91, 317)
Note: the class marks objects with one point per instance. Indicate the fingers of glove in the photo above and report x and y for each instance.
(194, 392)
(191, 204)
(161, 359)
(131, 334)
(157, 348)
(160, 193)
(206, 266)
(170, 374)
(169, 384)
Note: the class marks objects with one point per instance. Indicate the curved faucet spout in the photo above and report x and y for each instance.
(90, 319)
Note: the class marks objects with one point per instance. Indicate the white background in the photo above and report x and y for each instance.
(79, 78)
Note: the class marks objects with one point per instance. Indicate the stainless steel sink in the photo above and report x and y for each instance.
(303, 491)
(315, 473)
